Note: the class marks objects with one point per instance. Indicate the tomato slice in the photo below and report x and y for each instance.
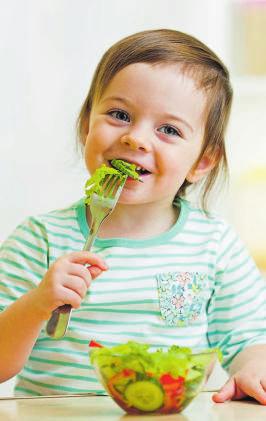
(94, 344)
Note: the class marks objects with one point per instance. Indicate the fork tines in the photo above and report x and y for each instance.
(111, 185)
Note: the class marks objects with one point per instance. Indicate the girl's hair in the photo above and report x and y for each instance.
(166, 46)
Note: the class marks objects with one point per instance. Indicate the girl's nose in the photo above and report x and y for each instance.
(135, 143)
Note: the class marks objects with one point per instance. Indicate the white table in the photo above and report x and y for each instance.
(102, 408)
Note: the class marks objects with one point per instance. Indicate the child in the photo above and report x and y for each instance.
(167, 271)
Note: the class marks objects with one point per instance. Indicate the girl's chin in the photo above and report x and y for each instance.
(130, 198)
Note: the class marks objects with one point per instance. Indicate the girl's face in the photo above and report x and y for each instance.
(152, 116)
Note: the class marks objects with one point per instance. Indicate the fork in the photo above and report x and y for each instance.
(101, 205)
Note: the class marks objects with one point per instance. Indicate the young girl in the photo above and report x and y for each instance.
(163, 271)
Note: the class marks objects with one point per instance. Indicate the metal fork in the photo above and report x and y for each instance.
(101, 205)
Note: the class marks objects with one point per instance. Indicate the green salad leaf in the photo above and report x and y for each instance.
(176, 361)
(95, 182)
(120, 168)
(125, 168)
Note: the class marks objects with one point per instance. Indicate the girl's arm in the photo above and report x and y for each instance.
(237, 320)
(20, 325)
(248, 376)
(66, 282)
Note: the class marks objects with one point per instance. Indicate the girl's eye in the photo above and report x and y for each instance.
(119, 115)
(169, 130)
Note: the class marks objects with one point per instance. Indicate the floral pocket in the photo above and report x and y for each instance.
(182, 296)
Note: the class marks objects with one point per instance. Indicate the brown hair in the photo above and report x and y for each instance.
(173, 47)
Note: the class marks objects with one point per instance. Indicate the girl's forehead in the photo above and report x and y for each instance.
(157, 90)
(158, 76)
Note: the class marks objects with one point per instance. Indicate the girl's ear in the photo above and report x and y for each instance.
(202, 167)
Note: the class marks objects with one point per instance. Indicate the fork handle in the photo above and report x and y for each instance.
(58, 323)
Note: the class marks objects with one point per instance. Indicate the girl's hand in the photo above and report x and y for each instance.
(67, 281)
(250, 381)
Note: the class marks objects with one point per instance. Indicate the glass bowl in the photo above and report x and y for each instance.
(159, 382)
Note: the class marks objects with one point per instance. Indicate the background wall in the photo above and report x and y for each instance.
(50, 50)
(48, 53)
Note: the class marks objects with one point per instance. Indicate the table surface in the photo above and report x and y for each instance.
(102, 408)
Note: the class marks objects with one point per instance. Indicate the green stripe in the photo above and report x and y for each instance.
(238, 330)
(107, 310)
(154, 345)
(63, 236)
(236, 281)
(174, 264)
(133, 278)
(206, 221)
(159, 255)
(123, 303)
(249, 300)
(37, 223)
(52, 386)
(56, 362)
(199, 233)
(144, 335)
(17, 278)
(61, 218)
(226, 251)
(33, 233)
(59, 350)
(225, 234)
(193, 244)
(241, 264)
(24, 268)
(227, 363)
(9, 297)
(28, 244)
(117, 280)
(65, 227)
(63, 248)
(233, 319)
(226, 342)
(25, 256)
(60, 375)
(54, 235)
(27, 391)
(65, 338)
(118, 291)
(13, 287)
(239, 252)
(238, 293)
(131, 323)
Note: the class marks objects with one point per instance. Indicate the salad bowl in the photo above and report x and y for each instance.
(158, 382)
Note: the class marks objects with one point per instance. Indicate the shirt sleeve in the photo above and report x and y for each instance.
(237, 308)
(23, 261)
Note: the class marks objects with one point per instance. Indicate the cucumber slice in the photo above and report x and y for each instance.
(144, 395)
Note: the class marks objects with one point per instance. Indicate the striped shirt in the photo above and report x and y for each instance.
(194, 285)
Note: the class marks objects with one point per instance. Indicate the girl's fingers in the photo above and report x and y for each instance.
(238, 389)
(256, 391)
(85, 257)
(71, 297)
(226, 392)
(94, 271)
(263, 383)
(76, 284)
(81, 271)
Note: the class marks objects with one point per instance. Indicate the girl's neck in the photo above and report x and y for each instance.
(138, 221)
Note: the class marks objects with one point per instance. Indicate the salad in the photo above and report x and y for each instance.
(119, 167)
(141, 381)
